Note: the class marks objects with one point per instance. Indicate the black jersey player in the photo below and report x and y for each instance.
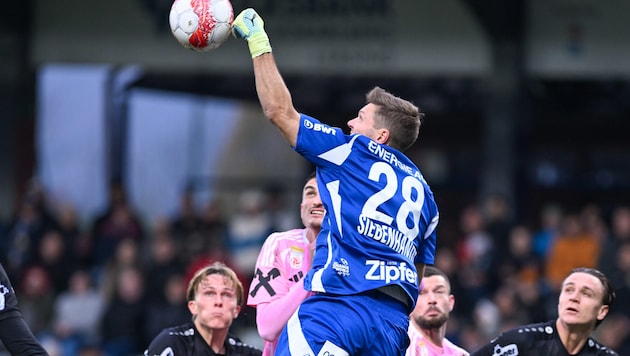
(584, 302)
(215, 296)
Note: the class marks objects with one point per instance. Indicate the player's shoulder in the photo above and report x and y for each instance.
(176, 340)
(239, 347)
(183, 331)
(595, 348)
(519, 340)
(529, 333)
(544, 329)
(455, 350)
(281, 239)
(291, 235)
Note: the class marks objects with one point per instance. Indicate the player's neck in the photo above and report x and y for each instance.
(573, 338)
(215, 338)
(311, 234)
(434, 335)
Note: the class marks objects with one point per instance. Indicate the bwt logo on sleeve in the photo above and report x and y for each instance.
(319, 127)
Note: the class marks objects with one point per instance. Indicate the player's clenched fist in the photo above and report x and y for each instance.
(249, 26)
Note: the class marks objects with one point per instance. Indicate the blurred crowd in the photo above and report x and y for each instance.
(107, 287)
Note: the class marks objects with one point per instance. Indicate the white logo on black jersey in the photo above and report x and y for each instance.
(3, 300)
(508, 350)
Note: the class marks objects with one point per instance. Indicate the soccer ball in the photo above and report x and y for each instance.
(201, 25)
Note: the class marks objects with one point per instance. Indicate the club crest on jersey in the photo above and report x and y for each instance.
(296, 255)
(343, 268)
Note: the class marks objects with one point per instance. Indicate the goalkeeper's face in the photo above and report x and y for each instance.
(364, 123)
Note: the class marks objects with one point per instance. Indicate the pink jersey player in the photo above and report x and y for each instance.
(421, 346)
(427, 324)
(277, 288)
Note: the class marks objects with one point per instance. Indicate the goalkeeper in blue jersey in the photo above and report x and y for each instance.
(379, 229)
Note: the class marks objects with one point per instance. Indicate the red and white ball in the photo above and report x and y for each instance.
(201, 25)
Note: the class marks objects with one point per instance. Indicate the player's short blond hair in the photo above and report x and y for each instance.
(215, 268)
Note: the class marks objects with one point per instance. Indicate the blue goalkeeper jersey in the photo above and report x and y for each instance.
(380, 213)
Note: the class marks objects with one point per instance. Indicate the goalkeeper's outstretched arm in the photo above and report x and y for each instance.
(273, 94)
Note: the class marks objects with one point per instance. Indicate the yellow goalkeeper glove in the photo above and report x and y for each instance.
(249, 26)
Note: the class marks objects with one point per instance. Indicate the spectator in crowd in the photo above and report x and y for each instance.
(120, 221)
(247, 230)
(52, 255)
(78, 313)
(615, 332)
(518, 262)
(76, 240)
(126, 255)
(592, 219)
(498, 219)
(486, 317)
(167, 310)
(215, 296)
(533, 298)
(619, 235)
(551, 216)
(428, 321)
(162, 262)
(573, 247)
(187, 226)
(209, 239)
(585, 300)
(278, 288)
(214, 225)
(510, 311)
(622, 274)
(283, 217)
(37, 299)
(475, 253)
(123, 320)
(18, 248)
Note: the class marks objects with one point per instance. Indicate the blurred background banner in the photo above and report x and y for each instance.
(325, 37)
(564, 38)
(578, 39)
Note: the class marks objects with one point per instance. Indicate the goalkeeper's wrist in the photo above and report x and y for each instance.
(259, 44)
